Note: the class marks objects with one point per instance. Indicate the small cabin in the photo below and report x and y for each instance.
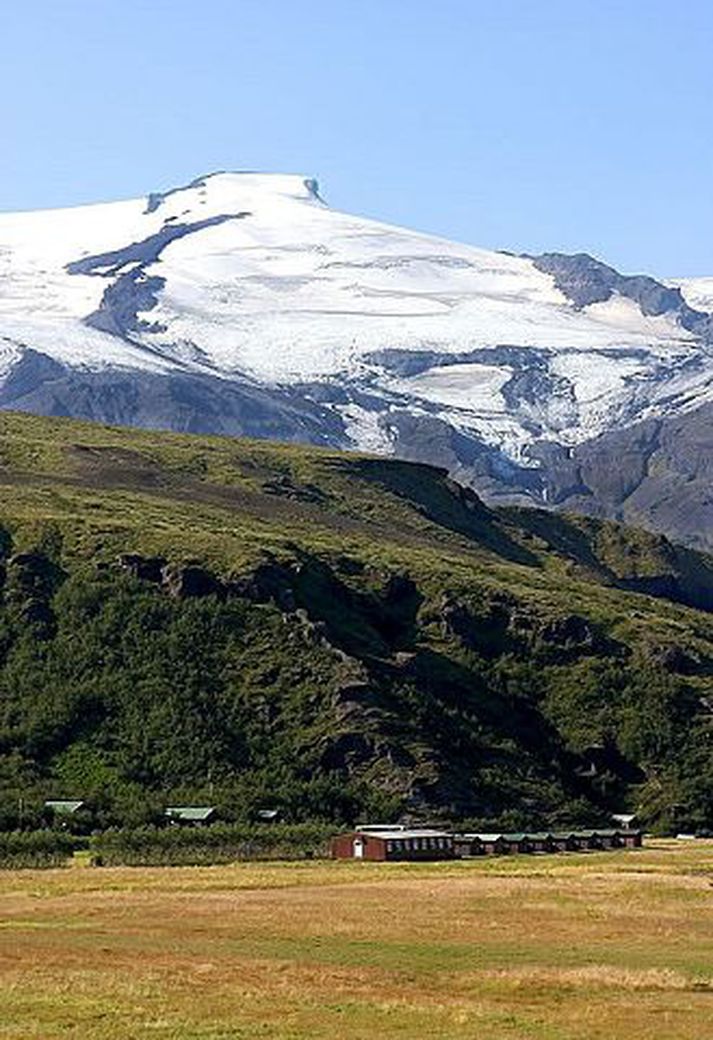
(517, 843)
(587, 841)
(491, 844)
(66, 813)
(190, 815)
(465, 846)
(564, 841)
(609, 839)
(393, 844)
(540, 841)
(598, 840)
(630, 839)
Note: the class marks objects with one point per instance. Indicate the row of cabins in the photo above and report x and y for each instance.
(421, 843)
(466, 845)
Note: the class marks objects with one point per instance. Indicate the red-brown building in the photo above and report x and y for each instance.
(393, 843)
(397, 842)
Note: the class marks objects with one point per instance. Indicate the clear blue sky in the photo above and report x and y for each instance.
(520, 124)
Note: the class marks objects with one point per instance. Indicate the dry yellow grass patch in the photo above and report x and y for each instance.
(600, 975)
(553, 948)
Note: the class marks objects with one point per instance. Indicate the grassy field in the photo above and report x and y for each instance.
(616, 945)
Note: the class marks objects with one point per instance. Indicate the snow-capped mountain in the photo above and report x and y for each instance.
(243, 303)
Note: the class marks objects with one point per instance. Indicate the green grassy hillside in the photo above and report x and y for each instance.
(188, 618)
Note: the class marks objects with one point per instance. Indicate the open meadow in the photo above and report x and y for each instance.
(569, 947)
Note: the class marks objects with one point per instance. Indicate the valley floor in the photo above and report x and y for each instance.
(573, 947)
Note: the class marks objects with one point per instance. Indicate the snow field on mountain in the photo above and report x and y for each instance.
(286, 292)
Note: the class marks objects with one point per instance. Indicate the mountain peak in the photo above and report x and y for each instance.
(233, 187)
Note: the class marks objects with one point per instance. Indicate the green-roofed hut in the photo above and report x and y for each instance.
(192, 815)
(609, 839)
(564, 841)
(467, 845)
(588, 841)
(517, 842)
(540, 841)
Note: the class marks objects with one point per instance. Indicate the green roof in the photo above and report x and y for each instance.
(481, 837)
(192, 813)
(64, 806)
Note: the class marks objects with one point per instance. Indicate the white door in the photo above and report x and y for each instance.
(358, 848)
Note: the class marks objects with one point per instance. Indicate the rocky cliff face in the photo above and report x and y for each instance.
(337, 635)
(655, 474)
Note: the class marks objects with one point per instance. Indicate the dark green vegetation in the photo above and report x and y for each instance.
(23, 849)
(220, 843)
(165, 846)
(200, 620)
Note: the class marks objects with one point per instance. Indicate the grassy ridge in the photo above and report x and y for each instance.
(191, 618)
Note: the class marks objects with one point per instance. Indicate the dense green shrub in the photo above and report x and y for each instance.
(219, 843)
(35, 848)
